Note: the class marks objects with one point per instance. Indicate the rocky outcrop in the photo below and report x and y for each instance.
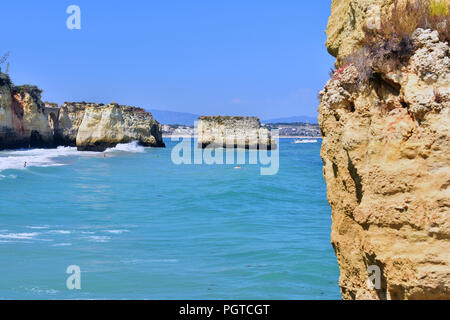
(70, 116)
(106, 126)
(347, 21)
(386, 150)
(51, 111)
(25, 121)
(232, 132)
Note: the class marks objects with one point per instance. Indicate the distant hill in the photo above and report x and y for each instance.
(188, 119)
(304, 119)
(172, 117)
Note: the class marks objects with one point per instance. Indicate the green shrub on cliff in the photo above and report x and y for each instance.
(390, 45)
(439, 7)
(221, 119)
(34, 91)
(5, 80)
(404, 18)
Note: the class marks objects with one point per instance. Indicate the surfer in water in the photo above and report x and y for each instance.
(25, 164)
(237, 167)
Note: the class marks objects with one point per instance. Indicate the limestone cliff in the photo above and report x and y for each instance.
(347, 21)
(386, 154)
(225, 131)
(106, 126)
(70, 116)
(25, 121)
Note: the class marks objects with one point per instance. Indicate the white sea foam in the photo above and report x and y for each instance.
(117, 231)
(37, 227)
(15, 159)
(99, 238)
(10, 176)
(306, 141)
(132, 147)
(60, 231)
(34, 157)
(19, 236)
(64, 244)
(164, 260)
(42, 291)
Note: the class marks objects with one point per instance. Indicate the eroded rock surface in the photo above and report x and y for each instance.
(225, 131)
(106, 126)
(70, 116)
(347, 21)
(25, 121)
(386, 154)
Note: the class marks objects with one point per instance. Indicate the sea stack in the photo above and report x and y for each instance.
(233, 132)
(106, 126)
(26, 121)
(385, 150)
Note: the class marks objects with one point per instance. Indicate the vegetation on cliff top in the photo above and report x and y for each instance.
(33, 91)
(5, 80)
(390, 45)
(404, 18)
(221, 119)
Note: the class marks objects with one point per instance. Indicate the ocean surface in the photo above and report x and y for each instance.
(141, 227)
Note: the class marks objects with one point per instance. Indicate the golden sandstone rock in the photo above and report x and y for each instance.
(25, 121)
(231, 132)
(106, 126)
(386, 154)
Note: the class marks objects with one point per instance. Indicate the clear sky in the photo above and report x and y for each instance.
(239, 57)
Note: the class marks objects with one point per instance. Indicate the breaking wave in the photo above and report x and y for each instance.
(15, 159)
(19, 236)
(132, 147)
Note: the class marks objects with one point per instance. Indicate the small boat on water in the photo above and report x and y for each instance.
(305, 141)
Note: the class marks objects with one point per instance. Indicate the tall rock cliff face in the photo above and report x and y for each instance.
(386, 154)
(25, 121)
(70, 116)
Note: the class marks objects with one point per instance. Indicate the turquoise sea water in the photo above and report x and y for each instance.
(141, 227)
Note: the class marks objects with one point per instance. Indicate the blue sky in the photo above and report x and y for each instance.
(237, 57)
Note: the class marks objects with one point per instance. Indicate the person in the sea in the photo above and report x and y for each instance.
(237, 167)
(25, 164)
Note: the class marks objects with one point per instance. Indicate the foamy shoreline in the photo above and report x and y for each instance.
(53, 157)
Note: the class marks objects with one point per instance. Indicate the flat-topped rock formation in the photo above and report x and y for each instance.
(386, 155)
(25, 121)
(233, 132)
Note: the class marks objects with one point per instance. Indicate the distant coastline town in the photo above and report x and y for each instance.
(181, 124)
(286, 130)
